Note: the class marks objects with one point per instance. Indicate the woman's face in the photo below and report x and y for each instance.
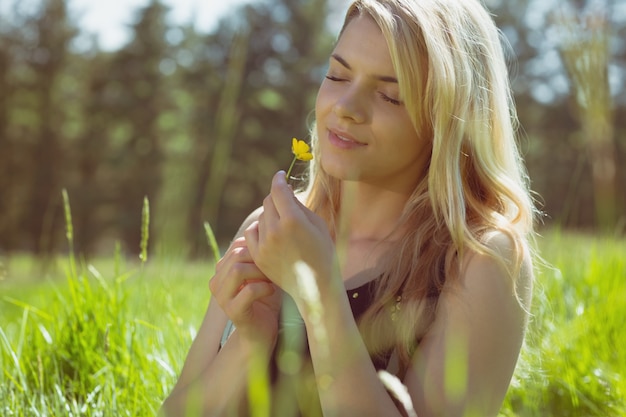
(364, 131)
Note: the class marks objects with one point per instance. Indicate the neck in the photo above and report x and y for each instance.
(372, 212)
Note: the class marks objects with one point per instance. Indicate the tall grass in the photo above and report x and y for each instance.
(575, 359)
(96, 345)
(109, 338)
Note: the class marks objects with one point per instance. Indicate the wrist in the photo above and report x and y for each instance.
(254, 343)
(321, 303)
(314, 285)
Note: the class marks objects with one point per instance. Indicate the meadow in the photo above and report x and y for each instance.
(107, 337)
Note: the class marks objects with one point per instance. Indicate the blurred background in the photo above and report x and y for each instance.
(194, 106)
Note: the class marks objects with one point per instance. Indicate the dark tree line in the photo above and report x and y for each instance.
(175, 115)
(199, 122)
(555, 137)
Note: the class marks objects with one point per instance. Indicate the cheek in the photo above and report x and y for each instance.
(402, 136)
(403, 126)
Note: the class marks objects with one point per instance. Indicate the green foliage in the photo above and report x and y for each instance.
(174, 114)
(145, 230)
(574, 360)
(112, 342)
(95, 347)
(80, 353)
(182, 116)
(212, 241)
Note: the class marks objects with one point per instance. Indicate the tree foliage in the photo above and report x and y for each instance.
(199, 122)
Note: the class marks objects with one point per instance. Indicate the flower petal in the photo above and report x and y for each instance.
(300, 148)
(306, 156)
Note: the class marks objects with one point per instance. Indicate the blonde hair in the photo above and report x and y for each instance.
(452, 74)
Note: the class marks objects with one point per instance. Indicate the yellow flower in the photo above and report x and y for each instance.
(301, 151)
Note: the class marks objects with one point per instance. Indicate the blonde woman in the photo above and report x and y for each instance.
(410, 252)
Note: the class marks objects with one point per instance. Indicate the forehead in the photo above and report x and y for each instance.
(362, 43)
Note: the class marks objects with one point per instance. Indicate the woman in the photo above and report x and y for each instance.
(410, 253)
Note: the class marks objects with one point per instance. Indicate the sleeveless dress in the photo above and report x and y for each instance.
(292, 394)
(296, 386)
(360, 299)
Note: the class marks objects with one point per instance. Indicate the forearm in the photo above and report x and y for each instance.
(221, 387)
(347, 381)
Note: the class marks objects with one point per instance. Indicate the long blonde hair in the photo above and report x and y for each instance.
(452, 73)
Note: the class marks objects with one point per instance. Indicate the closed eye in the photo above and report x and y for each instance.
(333, 78)
(382, 95)
(390, 100)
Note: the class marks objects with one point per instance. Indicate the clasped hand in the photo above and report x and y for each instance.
(246, 278)
(287, 232)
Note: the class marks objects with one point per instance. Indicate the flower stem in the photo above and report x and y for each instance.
(290, 167)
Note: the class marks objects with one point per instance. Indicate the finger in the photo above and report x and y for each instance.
(233, 263)
(282, 196)
(237, 252)
(227, 285)
(251, 281)
(237, 247)
(252, 292)
(252, 238)
(270, 219)
(269, 211)
(239, 276)
(239, 242)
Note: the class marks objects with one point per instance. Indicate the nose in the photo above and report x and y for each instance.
(351, 104)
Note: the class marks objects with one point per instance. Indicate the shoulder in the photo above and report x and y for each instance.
(494, 286)
(481, 315)
(505, 267)
(252, 217)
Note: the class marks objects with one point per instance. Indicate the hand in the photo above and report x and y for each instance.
(288, 232)
(249, 299)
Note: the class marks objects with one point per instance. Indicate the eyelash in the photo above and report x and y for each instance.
(390, 100)
(383, 96)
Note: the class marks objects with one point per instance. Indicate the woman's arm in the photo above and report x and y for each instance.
(214, 379)
(287, 235)
(348, 383)
(209, 377)
(463, 366)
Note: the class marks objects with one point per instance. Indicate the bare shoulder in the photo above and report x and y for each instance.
(252, 217)
(482, 316)
(505, 267)
(507, 270)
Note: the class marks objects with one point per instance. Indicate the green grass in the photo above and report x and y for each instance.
(96, 344)
(575, 359)
(107, 338)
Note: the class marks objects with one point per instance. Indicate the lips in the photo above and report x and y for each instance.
(343, 140)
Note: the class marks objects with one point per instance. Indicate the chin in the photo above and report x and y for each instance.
(341, 171)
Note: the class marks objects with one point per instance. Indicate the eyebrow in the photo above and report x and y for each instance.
(384, 78)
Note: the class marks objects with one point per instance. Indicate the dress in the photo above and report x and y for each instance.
(295, 388)
(293, 383)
